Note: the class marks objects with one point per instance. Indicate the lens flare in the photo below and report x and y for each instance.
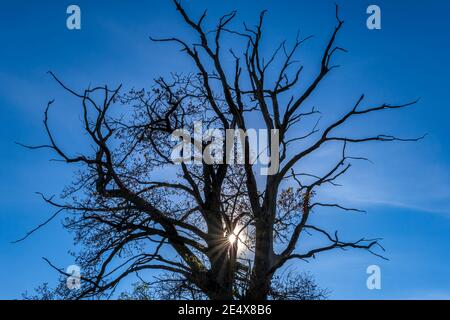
(232, 238)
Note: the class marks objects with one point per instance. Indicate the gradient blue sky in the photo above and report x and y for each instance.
(406, 191)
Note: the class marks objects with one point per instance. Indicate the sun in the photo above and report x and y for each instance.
(232, 238)
(237, 237)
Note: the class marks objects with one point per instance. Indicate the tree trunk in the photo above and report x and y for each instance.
(264, 255)
(261, 277)
(221, 257)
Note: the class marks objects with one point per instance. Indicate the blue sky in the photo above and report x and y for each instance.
(406, 192)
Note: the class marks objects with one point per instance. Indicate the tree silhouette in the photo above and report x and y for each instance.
(218, 231)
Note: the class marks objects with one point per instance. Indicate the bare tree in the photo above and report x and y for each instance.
(133, 215)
